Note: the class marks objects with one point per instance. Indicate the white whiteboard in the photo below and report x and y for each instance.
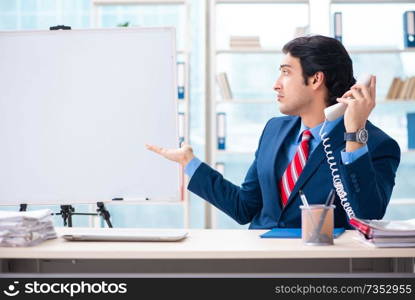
(77, 107)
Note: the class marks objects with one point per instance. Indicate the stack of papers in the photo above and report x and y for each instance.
(27, 228)
(382, 233)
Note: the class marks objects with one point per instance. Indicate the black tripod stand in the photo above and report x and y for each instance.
(67, 211)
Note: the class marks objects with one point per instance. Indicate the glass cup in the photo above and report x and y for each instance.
(317, 224)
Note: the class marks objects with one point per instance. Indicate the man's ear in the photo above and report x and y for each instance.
(317, 80)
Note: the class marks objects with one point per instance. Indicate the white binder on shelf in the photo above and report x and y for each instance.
(181, 79)
(221, 130)
(338, 26)
(409, 29)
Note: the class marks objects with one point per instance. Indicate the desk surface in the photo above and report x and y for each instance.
(205, 244)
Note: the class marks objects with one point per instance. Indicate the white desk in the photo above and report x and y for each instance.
(208, 251)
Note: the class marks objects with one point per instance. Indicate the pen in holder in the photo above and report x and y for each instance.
(305, 204)
(318, 222)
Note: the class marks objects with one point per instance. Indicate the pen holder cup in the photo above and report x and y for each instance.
(317, 224)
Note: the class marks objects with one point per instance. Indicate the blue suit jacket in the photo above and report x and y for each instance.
(368, 181)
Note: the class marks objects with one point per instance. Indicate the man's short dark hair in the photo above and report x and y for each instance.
(325, 54)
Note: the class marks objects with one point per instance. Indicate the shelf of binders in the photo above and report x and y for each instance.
(183, 80)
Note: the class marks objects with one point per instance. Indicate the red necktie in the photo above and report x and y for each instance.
(294, 168)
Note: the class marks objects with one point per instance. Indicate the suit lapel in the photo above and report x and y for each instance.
(317, 157)
(278, 139)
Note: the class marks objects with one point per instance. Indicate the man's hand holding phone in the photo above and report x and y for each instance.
(360, 100)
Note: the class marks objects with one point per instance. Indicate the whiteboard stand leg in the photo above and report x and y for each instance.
(67, 212)
(23, 207)
(104, 213)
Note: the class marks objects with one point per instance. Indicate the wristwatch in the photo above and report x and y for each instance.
(361, 136)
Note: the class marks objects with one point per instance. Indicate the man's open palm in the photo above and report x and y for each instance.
(182, 155)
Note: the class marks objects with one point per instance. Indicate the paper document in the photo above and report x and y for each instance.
(27, 228)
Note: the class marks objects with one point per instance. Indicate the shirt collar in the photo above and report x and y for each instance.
(315, 131)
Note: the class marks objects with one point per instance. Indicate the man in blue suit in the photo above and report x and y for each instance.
(315, 73)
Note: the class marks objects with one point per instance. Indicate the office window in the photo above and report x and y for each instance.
(146, 16)
(42, 14)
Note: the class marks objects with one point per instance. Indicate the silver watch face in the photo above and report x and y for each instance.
(362, 136)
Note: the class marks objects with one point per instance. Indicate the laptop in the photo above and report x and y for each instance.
(125, 235)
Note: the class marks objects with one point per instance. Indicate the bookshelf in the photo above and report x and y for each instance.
(183, 58)
(391, 112)
(217, 104)
(377, 41)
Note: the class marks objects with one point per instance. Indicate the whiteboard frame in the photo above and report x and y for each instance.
(149, 200)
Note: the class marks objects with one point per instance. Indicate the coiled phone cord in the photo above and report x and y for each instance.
(337, 182)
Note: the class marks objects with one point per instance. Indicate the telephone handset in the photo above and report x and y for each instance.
(333, 112)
